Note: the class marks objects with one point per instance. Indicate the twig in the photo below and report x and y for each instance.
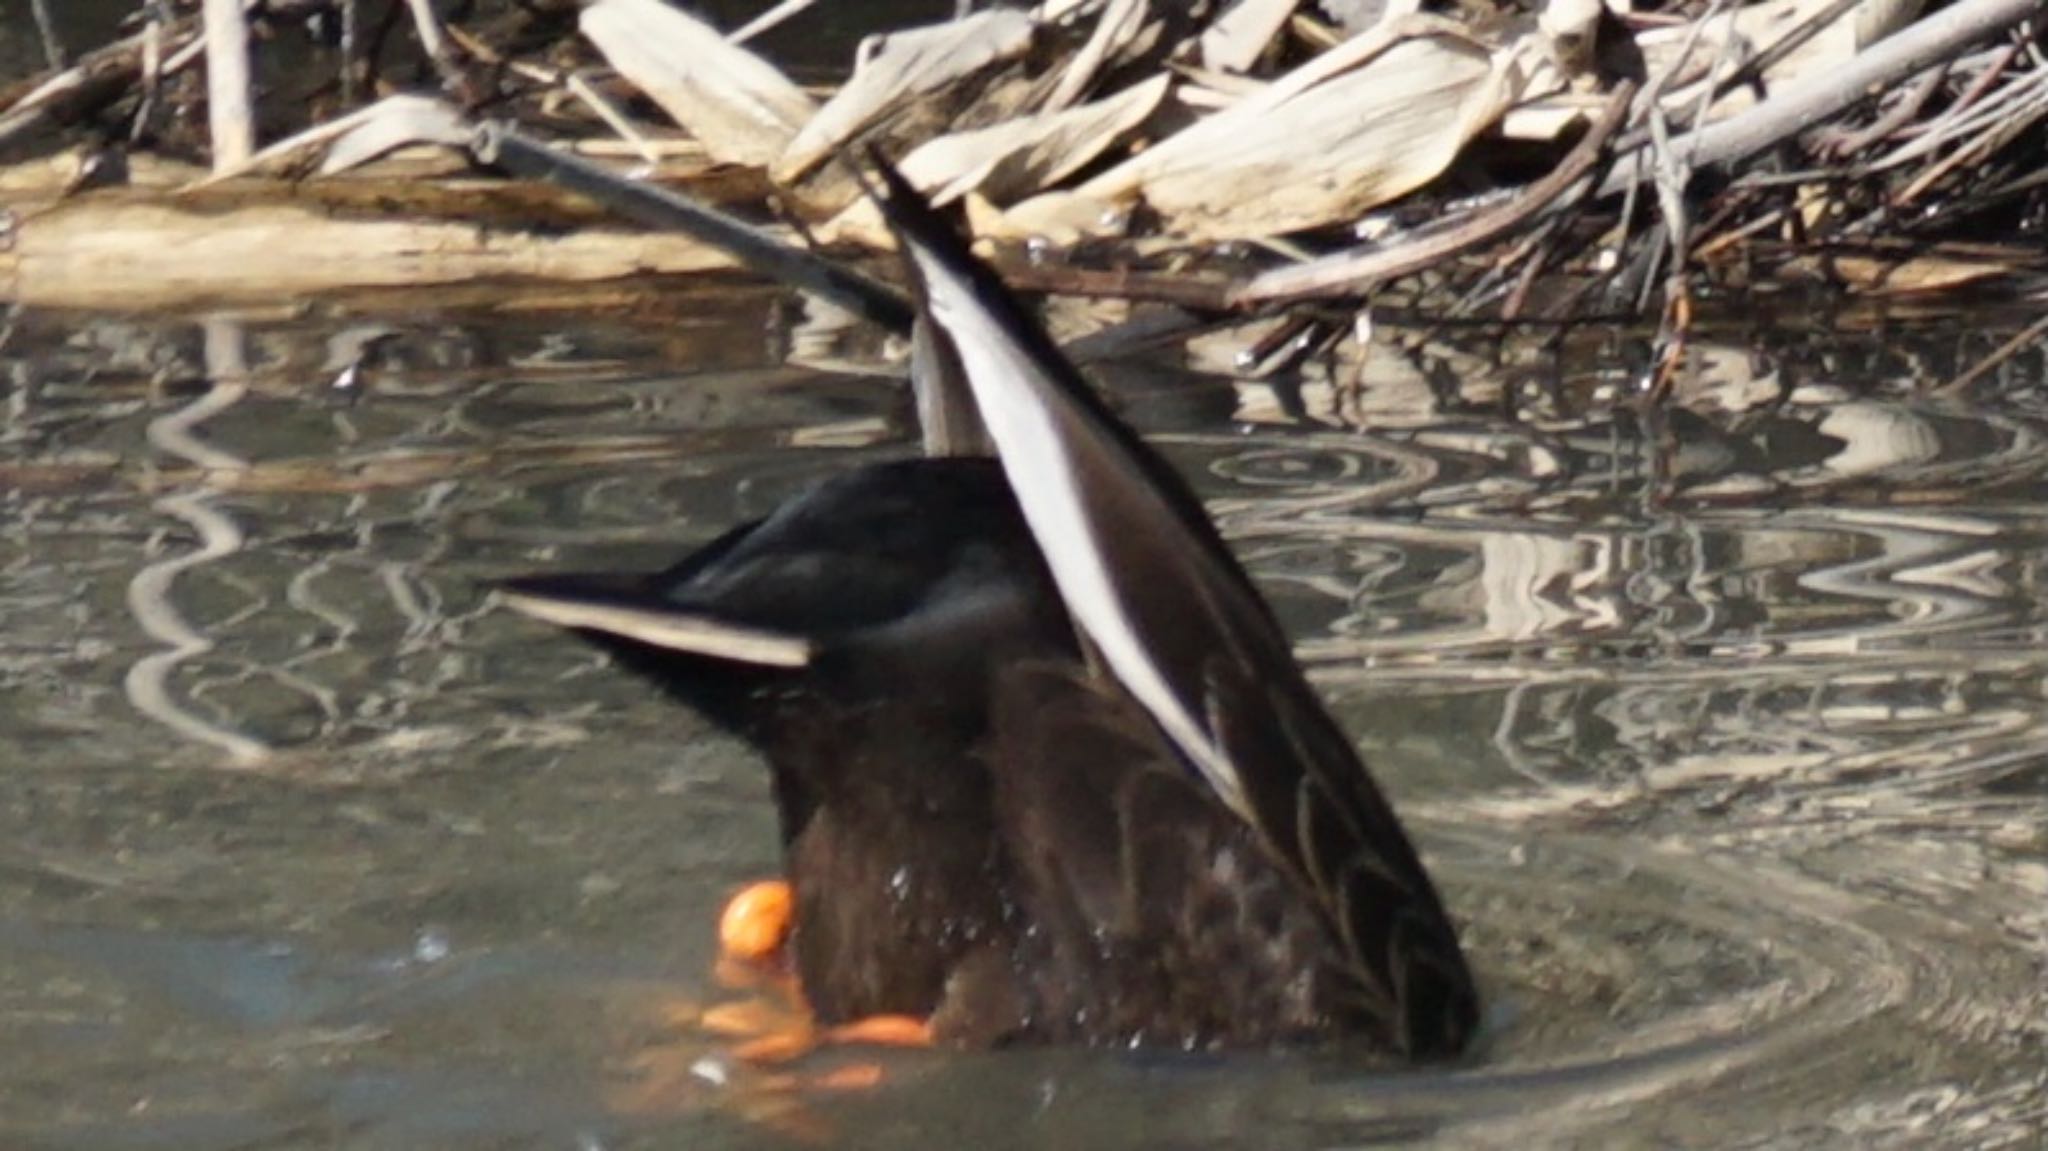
(1902, 113)
(1973, 152)
(1295, 331)
(2004, 352)
(1721, 240)
(1343, 273)
(1532, 265)
(155, 66)
(428, 26)
(1510, 269)
(613, 118)
(572, 82)
(767, 20)
(435, 42)
(1670, 173)
(500, 145)
(1976, 110)
(347, 49)
(99, 78)
(1206, 295)
(1799, 106)
(230, 121)
(1749, 71)
(53, 47)
(150, 79)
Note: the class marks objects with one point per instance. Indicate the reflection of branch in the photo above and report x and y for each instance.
(149, 593)
(1513, 751)
(149, 600)
(172, 434)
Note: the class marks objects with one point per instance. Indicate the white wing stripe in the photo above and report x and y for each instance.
(1033, 455)
(670, 630)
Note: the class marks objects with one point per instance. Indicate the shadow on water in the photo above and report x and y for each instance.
(1726, 738)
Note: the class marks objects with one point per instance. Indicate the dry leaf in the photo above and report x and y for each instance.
(738, 105)
(1726, 41)
(1054, 11)
(1323, 144)
(898, 68)
(1008, 161)
(1013, 159)
(1695, 54)
(1899, 276)
(392, 123)
(361, 136)
(1061, 217)
(1236, 40)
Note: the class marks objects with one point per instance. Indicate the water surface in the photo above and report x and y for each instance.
(1724, 734)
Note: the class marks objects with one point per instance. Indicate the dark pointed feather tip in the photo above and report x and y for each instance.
(910, 215)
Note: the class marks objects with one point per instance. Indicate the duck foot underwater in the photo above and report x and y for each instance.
(1045, 766)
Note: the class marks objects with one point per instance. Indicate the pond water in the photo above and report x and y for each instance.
(1725, 737)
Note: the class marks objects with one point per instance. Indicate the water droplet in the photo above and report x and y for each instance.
(430, 947)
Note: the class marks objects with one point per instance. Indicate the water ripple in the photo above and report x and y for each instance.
(1724, 730)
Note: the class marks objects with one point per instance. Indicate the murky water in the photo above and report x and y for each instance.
(1727, 740)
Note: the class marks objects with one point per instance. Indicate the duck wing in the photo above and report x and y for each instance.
(897, 580)
(1159, 917)
(1142, 571)
(853, 637)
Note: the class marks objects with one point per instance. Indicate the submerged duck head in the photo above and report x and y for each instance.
(1045, 765)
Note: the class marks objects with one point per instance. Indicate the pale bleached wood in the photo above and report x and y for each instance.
(116, 251)
(742, 108)
(230, 119)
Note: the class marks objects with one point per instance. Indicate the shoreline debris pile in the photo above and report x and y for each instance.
(1573, 161)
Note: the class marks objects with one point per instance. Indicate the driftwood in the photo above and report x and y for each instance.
(160, 246)
(1138, 134)
(103, 76)
(1799, 108)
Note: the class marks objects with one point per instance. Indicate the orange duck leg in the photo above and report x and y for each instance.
(752, 934)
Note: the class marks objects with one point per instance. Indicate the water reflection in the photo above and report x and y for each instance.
(1724, 731)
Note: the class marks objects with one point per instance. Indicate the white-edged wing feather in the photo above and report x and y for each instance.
(670, 630)
(1033, 430)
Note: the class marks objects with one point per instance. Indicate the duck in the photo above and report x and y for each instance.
(1045, 767)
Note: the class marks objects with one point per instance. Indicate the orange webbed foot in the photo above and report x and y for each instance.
(752, 934)
(756, 921)
(785, 1044)
(883, 1031)
(765, 1031)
